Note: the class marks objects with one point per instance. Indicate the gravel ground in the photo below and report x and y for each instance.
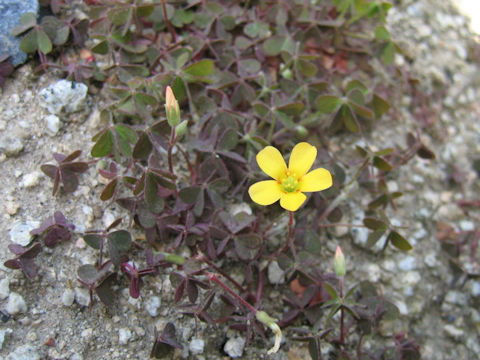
(50, 318)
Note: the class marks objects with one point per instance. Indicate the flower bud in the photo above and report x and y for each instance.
(181, 128)
(339, 262)
(171, 108)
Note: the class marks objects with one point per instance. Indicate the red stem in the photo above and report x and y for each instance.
(213, 277)
(170, 147)
(342, 312)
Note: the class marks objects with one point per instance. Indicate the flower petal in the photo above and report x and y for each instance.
(316, 180)
(302, 158)
(271, 162)
(292, 201)
(265, 192)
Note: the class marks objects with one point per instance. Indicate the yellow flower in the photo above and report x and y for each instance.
(290, 183)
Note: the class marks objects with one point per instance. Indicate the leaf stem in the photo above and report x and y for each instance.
(342, 311)
(213, 277)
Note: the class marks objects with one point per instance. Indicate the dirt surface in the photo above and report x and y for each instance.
(443, 318)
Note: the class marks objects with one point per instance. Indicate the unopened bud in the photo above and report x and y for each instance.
(265, 319)
(181, 128)
(171, 108)
(339, 262)
(301, 131)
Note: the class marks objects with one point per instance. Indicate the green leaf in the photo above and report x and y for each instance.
(120, 15)
(388, 53)
(29, 42)
(385, 151)
(145, 98)
(109, 190)
(251, 66)
(374, 236)
(356, 84)
(87, 273)
(151, 188)
(254, 30)
(261, 109)
(378, 202)
(307, 68)
(399, 241)
(126, 136)
(179, 89)
(381, 33)
(292, 109)
(349, 119)
(121, 239)
(242, 43)
(381, 164)
(145, 10)
(201, 68)
(104, 145)
(101, 48)
(331, 291)
(181, 57)
(94, 241)
(361, 110)
(328, 103)
(27, 21)
(229, 140)
(374, 224)
(276, 44)
(189, 194)
(380, 105)
(142, 148)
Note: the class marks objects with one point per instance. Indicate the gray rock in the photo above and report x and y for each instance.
(152, 305)
(64, 95)
(4, 288)
(24, 352)
(4, 332)
(10, 12)
(11, 145)
(234, 347)
(16, 304)
(275, 273)
(196, 346)
(20, 232)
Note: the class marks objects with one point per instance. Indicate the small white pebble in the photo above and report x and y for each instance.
(53, 124)
(234, 347)
(16, 304)
(124, 336)
(152, 304)
(31, 180)
(4, 288)
(11, 207)
(196, 346)
(68, 297)
(82, 296)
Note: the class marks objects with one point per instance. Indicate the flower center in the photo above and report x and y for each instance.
(290, 183)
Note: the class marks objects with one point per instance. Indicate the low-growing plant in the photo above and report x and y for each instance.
(195, 92)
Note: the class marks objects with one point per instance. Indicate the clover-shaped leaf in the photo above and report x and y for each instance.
(66, 171)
